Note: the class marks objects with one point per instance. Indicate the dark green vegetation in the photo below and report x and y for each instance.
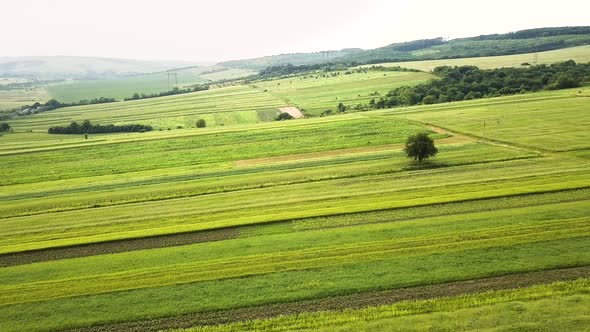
(420, 147)
(468, 82)
(4, 127)
(88, 127)
(174, 91)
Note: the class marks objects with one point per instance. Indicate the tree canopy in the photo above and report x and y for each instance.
(420, 147)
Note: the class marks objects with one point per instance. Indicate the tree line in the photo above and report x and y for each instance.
(88, 127)
(469, 82)
(175, 91)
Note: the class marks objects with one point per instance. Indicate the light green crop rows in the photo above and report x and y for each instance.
(318, 207)
(315, 94)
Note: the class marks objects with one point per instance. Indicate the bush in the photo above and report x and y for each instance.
(420, 147)
(4, 127)
(201, 123)
(284, 116)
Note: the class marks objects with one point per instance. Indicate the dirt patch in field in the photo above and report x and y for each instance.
(113, 247)
(352, 301)
(293, 111)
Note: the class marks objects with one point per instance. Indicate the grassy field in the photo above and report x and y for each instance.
(579, 54)
(224, 106)
(10, 99)
(120, 88)
(310, 224)
(315, 94)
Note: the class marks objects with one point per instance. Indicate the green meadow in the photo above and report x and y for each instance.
(319, 223)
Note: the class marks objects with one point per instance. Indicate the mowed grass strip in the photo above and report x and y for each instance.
(347, 302)
(296, 201)
(164, 112)
(557, 123)
(343, 220)
(45, 197)
(315, 93)
(294, 285)
(313, 250)
(556, 306)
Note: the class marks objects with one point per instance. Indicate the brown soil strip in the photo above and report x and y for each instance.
(352, 301)
(112, 247)
(293, 111)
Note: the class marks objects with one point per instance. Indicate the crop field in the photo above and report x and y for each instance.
(224, 106)
(579, 54)
(315, 94)
(319, 223)
(124, 87)
(10, 99)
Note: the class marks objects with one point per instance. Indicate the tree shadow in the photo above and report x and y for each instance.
(425, 164)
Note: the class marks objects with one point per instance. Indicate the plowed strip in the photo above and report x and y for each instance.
(353, 301)
(28, 257)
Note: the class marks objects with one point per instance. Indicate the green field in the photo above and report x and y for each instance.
(319, 223)
(579, 54)
(315, 94)
(224, 106)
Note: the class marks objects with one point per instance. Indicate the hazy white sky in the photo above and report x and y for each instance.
(232, 29)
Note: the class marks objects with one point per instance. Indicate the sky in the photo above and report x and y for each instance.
(223, 29)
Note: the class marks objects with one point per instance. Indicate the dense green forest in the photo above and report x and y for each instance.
(469, 82)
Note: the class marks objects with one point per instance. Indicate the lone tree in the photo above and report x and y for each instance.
(4, 127)
(420, 147)
(201, 123)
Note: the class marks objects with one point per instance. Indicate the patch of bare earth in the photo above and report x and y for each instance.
(352, 301)
(293, 111)
(112, 247)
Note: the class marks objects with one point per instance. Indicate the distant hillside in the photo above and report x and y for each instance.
(525, 41)
(56, 67)
(293, 58)
(518, 42)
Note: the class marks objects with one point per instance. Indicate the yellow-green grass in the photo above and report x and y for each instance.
(315, 94)
(120, 87)
(278, 268)
(301, 251)
(11, 99)
(557, 306)
(291, 201)
(320, 207)
(224, 106)
(579, 54)
(62, 195)
(555, 121)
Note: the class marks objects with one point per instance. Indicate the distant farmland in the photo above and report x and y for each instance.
(578, 54)
(213, 225)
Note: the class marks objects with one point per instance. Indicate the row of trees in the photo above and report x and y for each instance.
(175, 91)
(89, 128)
(52, 104)
(469, 82)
